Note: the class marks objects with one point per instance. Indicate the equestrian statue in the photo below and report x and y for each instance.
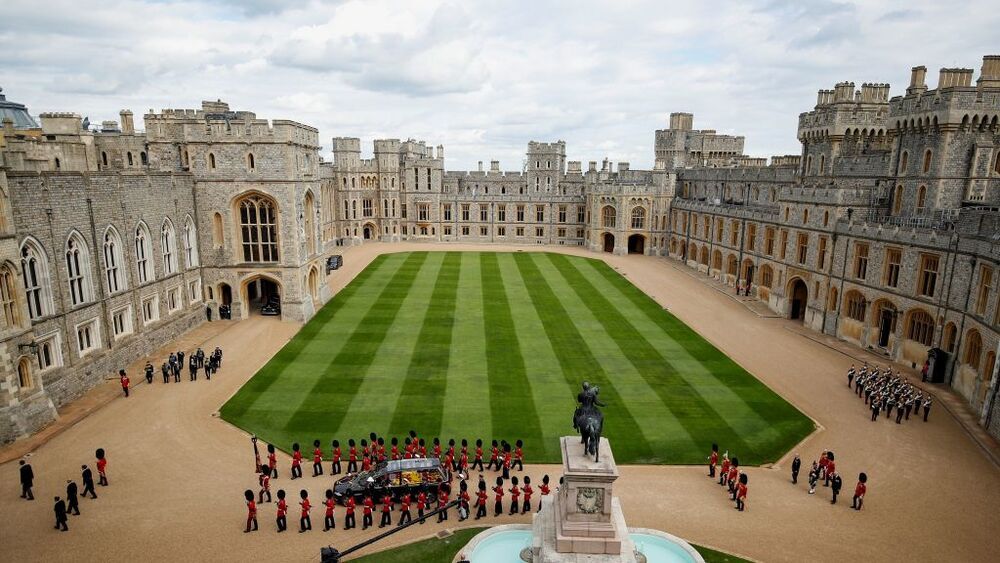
(589, 420)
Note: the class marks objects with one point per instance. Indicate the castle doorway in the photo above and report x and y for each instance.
(609, 242)
(636, 244)
(799, 296)
(226, 294)
(367, 232)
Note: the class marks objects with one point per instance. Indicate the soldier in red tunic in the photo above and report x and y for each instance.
(366, 519)
(734, 474)
(317, 459)
(544, 489)
(528, 491)
(495, 456)
(386, 510)
(831, 468)
(515, 497)
(366, 463)
(443, 502)
(404, 510)
(296, 461)
(365, 452)
(264, 479)
(463, 497)
(282, 520)
(272, 461)
(859, 492)
(102, 467)
(713, 459)
(124, 381)
(724, 474)
(741, 493)
(519, 455)
(305, 524)
(328, 522)
(394, 452)
(481, 497)
(349, 522)
(381, 449)
(506, 460)
(478, 461)
(498, 497)
(421, 505)
(335, 456)
(251, 511)
(352, 456)
(422, 449)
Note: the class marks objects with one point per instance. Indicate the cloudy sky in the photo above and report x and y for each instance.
(484, 78)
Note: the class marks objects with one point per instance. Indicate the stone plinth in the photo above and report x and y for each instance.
(583, 505)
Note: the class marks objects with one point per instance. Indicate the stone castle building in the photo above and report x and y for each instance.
(884, 231)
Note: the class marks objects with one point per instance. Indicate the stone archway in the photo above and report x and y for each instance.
(225, 294)
(609, 242)
(261, 295)
(636, 244)
(798, 297)
(368, 231)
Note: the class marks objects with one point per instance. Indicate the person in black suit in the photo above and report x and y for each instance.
(72, 501)
(27, 480)
(60, 510)
(88, 482)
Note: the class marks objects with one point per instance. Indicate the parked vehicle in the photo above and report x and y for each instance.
(272, 307)
(334, 263)
(396, 477)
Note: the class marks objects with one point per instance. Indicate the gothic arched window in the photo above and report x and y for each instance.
(258, 229)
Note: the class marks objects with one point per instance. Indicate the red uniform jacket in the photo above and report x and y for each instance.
(404, 503)
(464, 495)
(421, 501)
(714, 458)
(350, 505)
(102, 464)
(741, 491)
(336, 454)
(282, 507)
(125, 383)
(251, 509)
(366, 464)
(518, 454)
(528, 491)
(515, 493)
(479, 453)
(506, 460)
(272, 461)
(305, 507)
(733, 473)
(265, 481)
(317, 455)
(330, 503)
(353, 454)
(437, 451)
(422, 450)
(494, 453)
(498, 490)
(831, 467)
(297, 458)
(368, 505)
(860, 489)
(395, 452)
(443, 498)
(481, 498)
(545, 489)
(386, 503)
(725, 466)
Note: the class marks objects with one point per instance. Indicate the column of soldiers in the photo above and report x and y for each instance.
(730, 476)
(173, 366)
(885, 392)
(70, 505)
(504, 458)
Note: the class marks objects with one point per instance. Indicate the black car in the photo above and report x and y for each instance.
(396, 478)
(272, 307)
(334, 263)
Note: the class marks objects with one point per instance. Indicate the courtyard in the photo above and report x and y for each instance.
(495, 346)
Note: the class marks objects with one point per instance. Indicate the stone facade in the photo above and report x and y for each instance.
(883, 231)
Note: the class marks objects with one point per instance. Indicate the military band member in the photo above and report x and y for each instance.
(927, 407)
(741, 493)
(859, 492)
(352, 456)
(724, 473)
(366, 463)
(317, 459)
(335, 458)
(349, 522)
(463, 497)
(850, 375)
(544, 489)
(734, 475)
(404, 510)
(494, 456)
(498, 497)
(386, 511)
(381, 449)
(421, 448)
(394, 451)
(264, 479)
(364, 450)
(874, 407)
(282, 520)
(251, 512)
(437, 448)
(813, 477)
(506, 460)
(296, 461)
(831, 468)
(305, 524)
(713, 459)
(443, 491)
(272, 462)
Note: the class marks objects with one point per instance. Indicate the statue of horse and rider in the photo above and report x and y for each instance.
(589, 420)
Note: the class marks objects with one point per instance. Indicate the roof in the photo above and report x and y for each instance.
(412, 464)
(16, 112)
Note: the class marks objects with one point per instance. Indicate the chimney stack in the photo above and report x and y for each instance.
(128, 126)
(494, 166)
(918, 80)
(952, 77)
(989, 76)
(480, 166)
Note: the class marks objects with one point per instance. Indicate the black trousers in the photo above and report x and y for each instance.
(927, 411)
(366, 521)
(194, 374)
(251, 520)
(88, 487)
(480, 511)
(352, 467)
(26, 492)
(443, 515)
(102, 479)
(835, 493)
(514, 505)
(795, 477)
(526, 506)
(420, 514)
(386, 519)
(492, 461)
(264, 492)
(349, 521)
(61, 523)
(125, 389)
(404, 516)
(296, 471)
(282, 523)
(519, 463)
(478, 462)
(274, 472)
(328, 523)
(166, 377)
(177, 376)
(317, 469)
(711, 470)
(856, 503)
(73, 506)
(335, 468)
(149, 378)
(739, 504)
(498, 508)
(305, 524)
(506, 473)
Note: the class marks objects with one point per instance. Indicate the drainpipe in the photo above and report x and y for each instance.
(952, 257)
(961, 328)
(102, 295)
(843, 272)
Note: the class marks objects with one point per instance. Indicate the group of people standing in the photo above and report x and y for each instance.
(173, 367)
(64, 507)
(825, 469)
(730, 475)
(504, 458)
(884, 392)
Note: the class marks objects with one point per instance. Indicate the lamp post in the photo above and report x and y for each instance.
(256, 454)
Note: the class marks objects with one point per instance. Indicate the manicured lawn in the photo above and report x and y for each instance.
(496, 345)
(444, 550)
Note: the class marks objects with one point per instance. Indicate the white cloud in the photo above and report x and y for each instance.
(483, 78)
